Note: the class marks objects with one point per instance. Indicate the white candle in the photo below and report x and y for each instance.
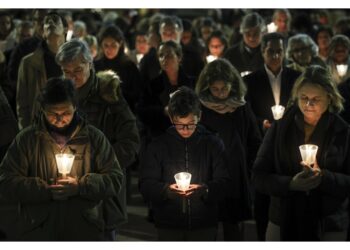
(277, 111)
(245, 73)
(211, 58)
(308, 153)
(64, 163)
(272, 27)
(183, 180)
(342, 69)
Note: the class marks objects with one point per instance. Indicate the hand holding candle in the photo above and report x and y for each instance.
(183, 180)
(271, 27)
(64, 163)
(308, 153)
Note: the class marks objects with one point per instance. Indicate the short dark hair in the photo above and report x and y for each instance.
(57, 90)
(269, 37)
(184, 102)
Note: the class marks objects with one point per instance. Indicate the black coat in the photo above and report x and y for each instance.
(260, 95)
(155, 98)
(302, 216)
(242, 139)
(131, 81)
(344, 89)
(167, 156)
(243, 60)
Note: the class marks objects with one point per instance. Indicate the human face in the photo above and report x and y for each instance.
(186, 37)
(59, 115)
(5, 26)
(185, 126)
(170, 33)
(168, 59)
(281, 20)
(301, 54)
(53, 25)
(38, 19)
(77, 71)
(216, 47)
(220, 89)
(110, 47)
(323, 39)
(252, 38)
(341, 54)
(313, 101)
(141, 44)
(273, 55)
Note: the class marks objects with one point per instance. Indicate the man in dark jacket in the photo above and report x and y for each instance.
(191, 214)
(49, 206)
(267, 87)
(246, 55)
(101, 101)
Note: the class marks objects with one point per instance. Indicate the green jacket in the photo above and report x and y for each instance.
(29, 165)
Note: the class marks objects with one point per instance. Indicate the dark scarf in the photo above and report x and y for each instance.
(300, 212)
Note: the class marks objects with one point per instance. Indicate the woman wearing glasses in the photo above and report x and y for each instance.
(185, 214)
(308, 202)
(221, 91)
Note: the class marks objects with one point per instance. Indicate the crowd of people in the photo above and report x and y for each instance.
(228, 96)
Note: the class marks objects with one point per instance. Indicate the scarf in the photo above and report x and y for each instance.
(228, 105)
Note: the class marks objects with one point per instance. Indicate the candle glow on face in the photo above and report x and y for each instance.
(64, 163)
(277, 111)
(308, 153)
(342, 69)
(183, 180)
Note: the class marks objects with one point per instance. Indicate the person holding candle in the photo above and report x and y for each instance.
(221, 91)
(101, 101)
(308, 202)
(339, 50)
(52, 208)
(269, 86)
(189, 215)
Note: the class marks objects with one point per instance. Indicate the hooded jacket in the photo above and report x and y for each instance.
(30, 164)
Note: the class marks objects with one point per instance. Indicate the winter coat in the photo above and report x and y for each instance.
(301, 215)
(8, 125)
(131, 82)
(242, 139)
(243, 60)
(344, 90)
(202, 155)
(30, 164)
(103, 105)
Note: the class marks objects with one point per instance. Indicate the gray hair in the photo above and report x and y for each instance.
(73, 49)
(250, 21)
(306, 40)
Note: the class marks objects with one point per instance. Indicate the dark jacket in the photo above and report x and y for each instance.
(260, 95)
(30, 164)
(243, 60)
(167, 156)
(344, 90)
(303, 216)
(131, 82)
(8, 125)
(242, 139)
(101, 102)
(156, 97)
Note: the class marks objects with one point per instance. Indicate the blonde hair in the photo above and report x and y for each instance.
(318, 76)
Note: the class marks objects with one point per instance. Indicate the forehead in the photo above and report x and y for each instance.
(190, 118)
(76, 63)
(274, 44)
(218, 84)
(60, 106)
(312, 89)
(165, 49)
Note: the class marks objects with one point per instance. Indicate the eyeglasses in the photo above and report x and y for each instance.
(183, 126)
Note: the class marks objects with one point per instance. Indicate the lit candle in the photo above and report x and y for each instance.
(64, 163)
(277, 111)
(342, 69)
(245, 73)
(211, 58)
(308, 153)
(139, 57)
(272, 27)
(183, 180)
